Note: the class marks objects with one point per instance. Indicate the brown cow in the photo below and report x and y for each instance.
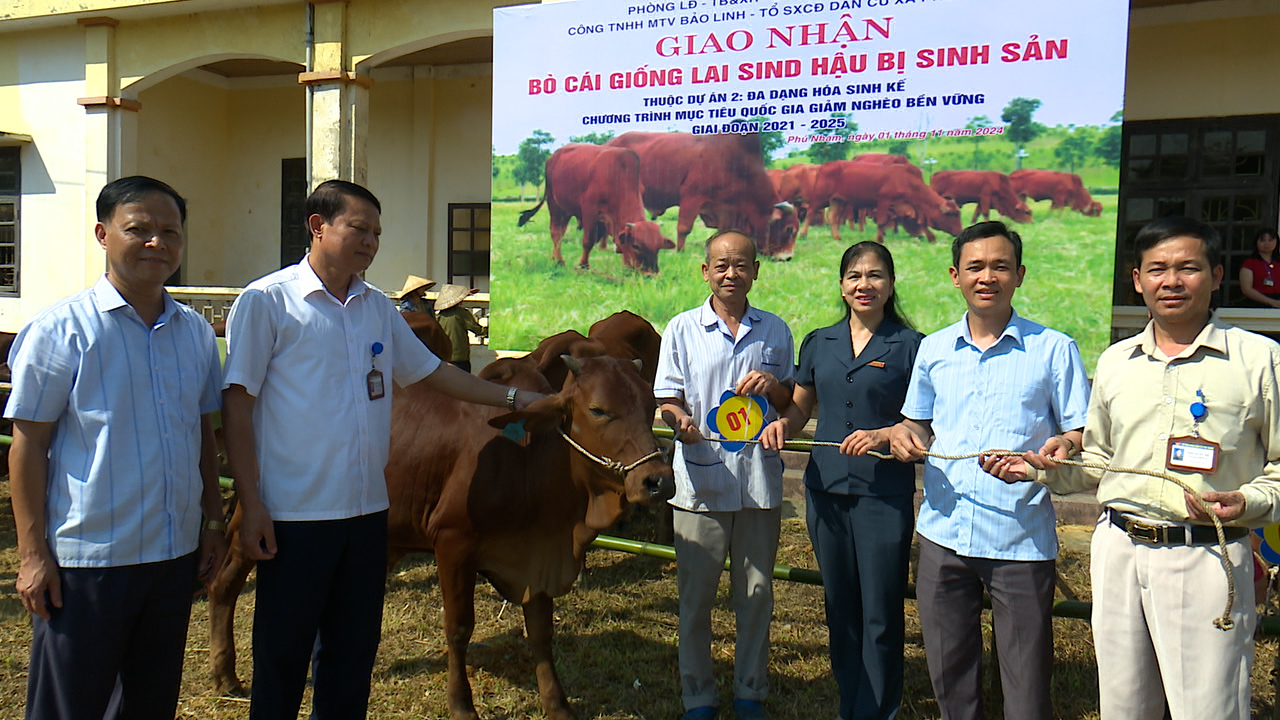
(522, 514)
(991, 190)
(876, 158)
(623, 335)
(892, 193)
(628, 336)
(719, 178)
(600, 186)
(1063, 189)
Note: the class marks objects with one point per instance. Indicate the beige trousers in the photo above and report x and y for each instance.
(1153, 632)
(703, 541)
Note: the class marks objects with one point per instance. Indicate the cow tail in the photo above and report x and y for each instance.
(528, 214)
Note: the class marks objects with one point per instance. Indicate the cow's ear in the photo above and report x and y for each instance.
(667, 244)
(543, 416)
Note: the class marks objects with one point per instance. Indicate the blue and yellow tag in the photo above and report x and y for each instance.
(738, 418)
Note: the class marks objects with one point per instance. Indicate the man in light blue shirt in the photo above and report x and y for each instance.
(113, 466)
(994, 380)
(728, 501)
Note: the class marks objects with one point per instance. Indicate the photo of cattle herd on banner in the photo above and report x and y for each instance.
(628, 209)
(616, 191)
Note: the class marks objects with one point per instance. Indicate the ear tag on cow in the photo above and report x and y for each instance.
(515, 431)
(377, 388)
(738, 418)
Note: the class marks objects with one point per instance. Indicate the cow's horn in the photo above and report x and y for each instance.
(638, 363)
(573, 363)
(630, 225)
(786, 206)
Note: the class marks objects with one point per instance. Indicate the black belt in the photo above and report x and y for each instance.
(1153, 534)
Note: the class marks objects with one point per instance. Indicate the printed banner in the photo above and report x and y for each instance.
(750, 115)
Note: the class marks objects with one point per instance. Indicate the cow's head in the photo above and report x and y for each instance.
(1094, 209)
(607, 408)
(780, 239)
(1019, 213)
(947, 218)
(639, 243)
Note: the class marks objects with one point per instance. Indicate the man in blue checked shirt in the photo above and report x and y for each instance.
(992, 380)
(728, 501)
(113, 471)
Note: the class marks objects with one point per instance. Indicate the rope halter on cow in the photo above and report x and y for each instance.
(609, 463)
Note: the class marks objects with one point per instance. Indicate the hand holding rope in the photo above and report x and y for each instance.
(1222, 623)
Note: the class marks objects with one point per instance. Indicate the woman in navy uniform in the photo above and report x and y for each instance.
(860, 509)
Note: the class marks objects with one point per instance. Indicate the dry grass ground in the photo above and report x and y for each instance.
(616, 645)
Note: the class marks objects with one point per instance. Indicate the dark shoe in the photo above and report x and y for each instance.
(706, 712)
(748, 710)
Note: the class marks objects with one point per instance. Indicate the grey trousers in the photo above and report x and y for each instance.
(949, 593)
(702, 542)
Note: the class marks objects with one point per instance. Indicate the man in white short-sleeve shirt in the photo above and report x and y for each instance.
(313, 354)
(728, 500)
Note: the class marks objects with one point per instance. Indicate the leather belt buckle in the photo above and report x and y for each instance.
(1144, 532)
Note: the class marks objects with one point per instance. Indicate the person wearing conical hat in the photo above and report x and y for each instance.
(410, 298)
(457, 321)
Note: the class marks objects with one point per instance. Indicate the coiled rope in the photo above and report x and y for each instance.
(1222, 623)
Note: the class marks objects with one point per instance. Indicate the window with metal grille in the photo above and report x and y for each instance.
(469, 245)
(294, 238)
(1222, 171)
(10, 210)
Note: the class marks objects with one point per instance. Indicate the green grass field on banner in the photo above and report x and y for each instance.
(1068, 285)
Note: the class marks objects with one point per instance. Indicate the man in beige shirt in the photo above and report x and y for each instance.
(1196, 398)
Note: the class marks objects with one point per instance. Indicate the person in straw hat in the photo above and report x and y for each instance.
(457, 321)
(410, 298)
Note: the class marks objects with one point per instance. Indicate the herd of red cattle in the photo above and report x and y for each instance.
(722, 179)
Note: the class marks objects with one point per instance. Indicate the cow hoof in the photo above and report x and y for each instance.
(561, 713)
(230, 688)
(584, 266)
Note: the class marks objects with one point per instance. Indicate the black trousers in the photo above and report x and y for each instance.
(115, 647)
(949, 597)
(863, 547)
(320, 600)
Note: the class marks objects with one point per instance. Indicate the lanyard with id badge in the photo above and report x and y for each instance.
(1193, 453)
(374, 382)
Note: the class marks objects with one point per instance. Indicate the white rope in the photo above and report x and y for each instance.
(1222, 623)
(609, 463)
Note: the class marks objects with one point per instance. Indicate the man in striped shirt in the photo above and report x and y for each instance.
(727, 502)
(992, 380)
(113, 471)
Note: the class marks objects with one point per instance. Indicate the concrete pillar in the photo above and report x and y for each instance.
(110, 127)
(436, 255)
(338, 122)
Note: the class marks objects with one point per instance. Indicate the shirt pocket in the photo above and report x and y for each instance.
(700, 454)
(771, 358)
